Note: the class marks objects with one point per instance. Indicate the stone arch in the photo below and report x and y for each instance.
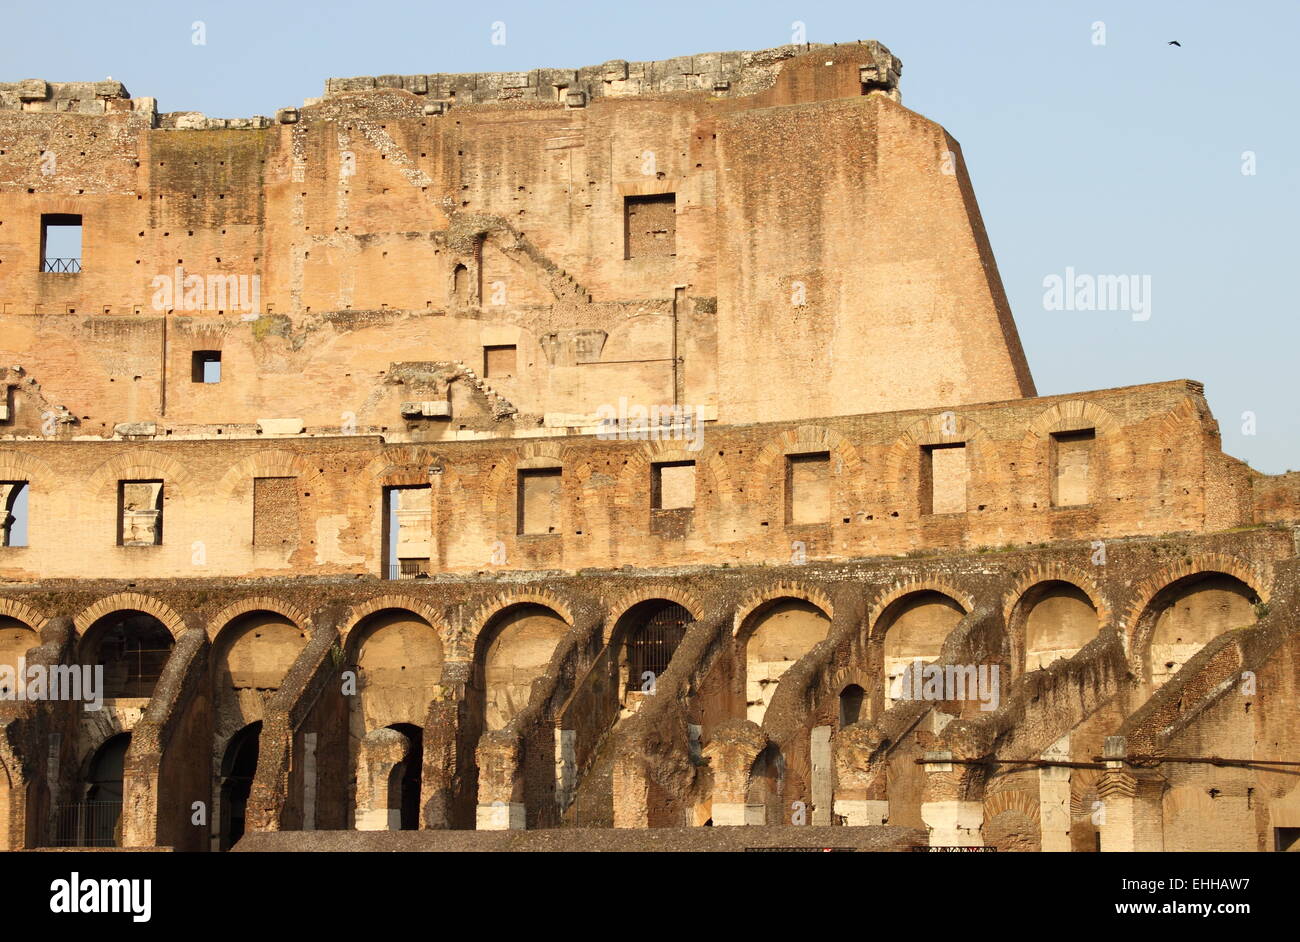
(912, 622)
(766, 477)
(802, 591)
(1011, 821)
(410, 603)
(624, 603)
(398, 657)
(513, 648)
(264, 603)
(1084, 799)
(645, 637)
(910, 587)
(132, 647)
(1072, 415)
(237, 483)
(20, 466)
(135, 601)
(1220, 595)
(1050, 600)
(21, 611)
(143, 465)
(498, 494)
(775, 632)
(18, 635)
(903, 459)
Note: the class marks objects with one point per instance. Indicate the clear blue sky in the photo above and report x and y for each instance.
(1123, 158)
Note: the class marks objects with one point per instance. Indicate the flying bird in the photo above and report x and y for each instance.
(1174, 42)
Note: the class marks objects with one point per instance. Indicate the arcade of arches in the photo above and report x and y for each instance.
(379, 720)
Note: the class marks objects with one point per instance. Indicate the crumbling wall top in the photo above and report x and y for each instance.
(723, 74)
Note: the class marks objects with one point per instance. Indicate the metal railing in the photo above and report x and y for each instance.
(409, 569)
(87, 824)
(70, 266)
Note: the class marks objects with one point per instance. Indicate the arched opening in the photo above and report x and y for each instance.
(763, 801)
(851, 704)
(460, 284)
(398, 658)
(1059, 619)
(250, 658)
(915, 628)
(133, 648)
(651, 631)
(238, 767)
(404, 781)
(519, 644)
(16, 639)
(94, 820)
(774, 639)
(1191, 612)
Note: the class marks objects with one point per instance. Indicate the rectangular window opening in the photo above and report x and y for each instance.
(672, 485)
(808, 488)
(408, 530)
(205, 366)
(1071, 466)
(650, 226)
(140, 513)
(499, 361)
(61, 243)
(13, 513)
(538, 511)
(943, 479)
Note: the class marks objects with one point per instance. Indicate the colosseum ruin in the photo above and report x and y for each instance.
(323, 518)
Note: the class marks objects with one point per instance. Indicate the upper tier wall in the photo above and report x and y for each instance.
(645, 238)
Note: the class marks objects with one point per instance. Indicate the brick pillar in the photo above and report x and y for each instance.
(500, 783)
(1054, 799)
(731, 754)
(953, 818)
(1132, 803)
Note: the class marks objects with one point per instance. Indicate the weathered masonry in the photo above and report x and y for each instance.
(641, 445)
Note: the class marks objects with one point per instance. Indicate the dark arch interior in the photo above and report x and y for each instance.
(655, 629)
(94, 820)
(404, 784)
(237, 771)
(851, 704)
(133, 648)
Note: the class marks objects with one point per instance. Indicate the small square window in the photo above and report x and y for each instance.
(672, 485)
(61, 243)
(499, 362)
(205, 366)
(139, 513)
